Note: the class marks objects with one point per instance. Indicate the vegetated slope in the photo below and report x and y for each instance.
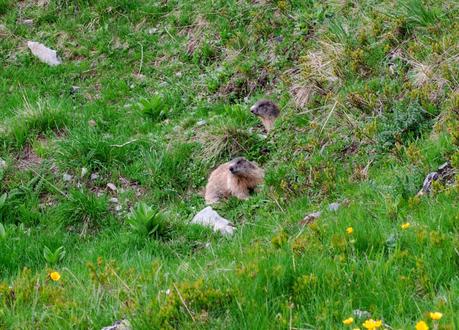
(152, 95)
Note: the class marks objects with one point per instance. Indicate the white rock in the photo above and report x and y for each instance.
(28, 22)
(2, 164)
(209, 218)
(94, 176)
(201, 123)
(114, 200)
(111, 186)
(44, 54)
(67, 177)
(84, 171)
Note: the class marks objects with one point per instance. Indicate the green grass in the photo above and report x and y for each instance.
(370, 105)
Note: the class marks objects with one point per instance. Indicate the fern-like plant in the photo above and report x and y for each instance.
(148, 222)
(53, 257)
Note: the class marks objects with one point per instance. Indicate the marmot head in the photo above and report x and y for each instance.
(244, 168)
(265, 109)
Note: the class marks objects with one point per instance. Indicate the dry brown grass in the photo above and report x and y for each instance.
(221, 143)
(316, 72)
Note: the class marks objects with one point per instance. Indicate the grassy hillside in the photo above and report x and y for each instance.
(152, 95)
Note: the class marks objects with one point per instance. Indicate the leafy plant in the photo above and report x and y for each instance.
(155, 107)
(146, 221)
(2, 200)
(2, 231)
(418, 14)
(53, 257)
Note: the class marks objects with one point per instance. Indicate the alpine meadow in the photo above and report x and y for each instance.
(114, 113)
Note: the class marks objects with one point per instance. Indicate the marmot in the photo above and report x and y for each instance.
(237, 178)
(268, 111)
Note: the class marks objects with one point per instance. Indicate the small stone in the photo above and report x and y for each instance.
(262, 136)
(84, 171)
(139, 76)
(152, 30)
(3, 30)
(361, 314)
(111, 186)
(114, 200)
(94, 176)
(201, 123)
(118, 208)
(209, 218)
(310, 218)
(92, 123)
(333, 207)
(119, 325)
(74, 90)
(2, 164)
(67, 177)
(43, 53)
(27, 21)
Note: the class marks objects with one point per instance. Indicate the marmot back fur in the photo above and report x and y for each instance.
(268, 111)
(235, 178)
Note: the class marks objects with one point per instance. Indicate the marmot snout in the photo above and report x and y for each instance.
(268, 111)
(235, 178)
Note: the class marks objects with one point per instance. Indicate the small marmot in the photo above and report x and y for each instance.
(236, 178)
(268, 111)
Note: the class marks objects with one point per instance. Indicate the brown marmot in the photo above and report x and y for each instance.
(236, 178)
(268, 111)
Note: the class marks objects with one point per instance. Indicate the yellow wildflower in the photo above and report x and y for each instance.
(349, 230)
(55, 276)
(348, 321)
(421, 325)
(435, 315)
(372, 324)
(405, 225)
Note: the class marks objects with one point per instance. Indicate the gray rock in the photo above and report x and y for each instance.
(67, 177)
(209, 218)
(334, 207)
(27, 21)
(361, 314)
(2, 164)
(310, 218)
(43, 53)
(119, 325)
(445, 174)
(94, 176)
(74, 89)
(111, 186)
